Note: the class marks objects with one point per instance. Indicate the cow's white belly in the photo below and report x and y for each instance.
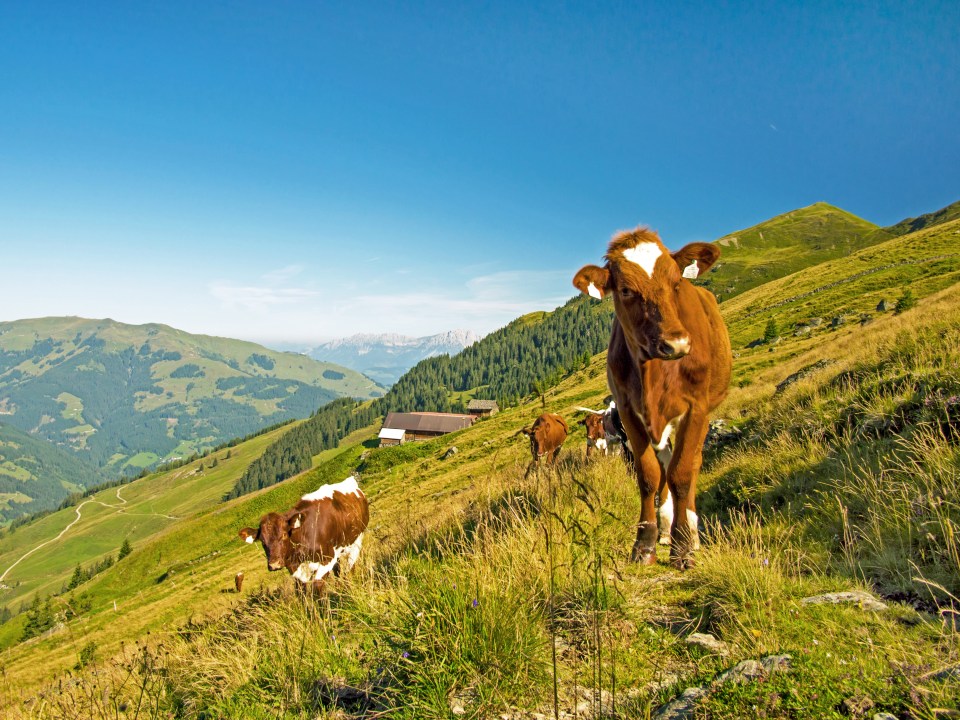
(315, 571)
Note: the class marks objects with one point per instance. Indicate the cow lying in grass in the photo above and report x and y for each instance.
(317, 535)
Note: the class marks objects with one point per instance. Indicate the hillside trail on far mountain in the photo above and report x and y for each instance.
(119, 508)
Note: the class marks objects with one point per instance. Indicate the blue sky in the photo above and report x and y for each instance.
(296, 171)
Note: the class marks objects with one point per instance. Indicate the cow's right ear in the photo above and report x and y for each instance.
(248, 535)
(592, 280)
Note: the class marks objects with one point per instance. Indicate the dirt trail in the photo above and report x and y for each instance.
(119, 508)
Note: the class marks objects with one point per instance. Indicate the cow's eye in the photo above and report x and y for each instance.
(626, 293)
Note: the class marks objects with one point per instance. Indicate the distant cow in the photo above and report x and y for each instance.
(668, 366)
(238, 581)
(546, 437)
(319, 533)
(605, 432)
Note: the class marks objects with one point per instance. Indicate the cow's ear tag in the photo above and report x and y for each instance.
(691, 271)
(593, 291)
(296, 523)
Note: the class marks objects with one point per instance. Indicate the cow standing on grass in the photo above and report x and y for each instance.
(668, 366)
(316, 536)
(546, 438)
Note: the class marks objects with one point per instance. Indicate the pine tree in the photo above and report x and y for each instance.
(906, 301)
(772, 332)
(125, 550)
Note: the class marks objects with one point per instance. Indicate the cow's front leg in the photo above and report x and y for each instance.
(648, 480)
(682, 481)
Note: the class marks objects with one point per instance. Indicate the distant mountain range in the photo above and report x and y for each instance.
(387, 356)
(121, 398)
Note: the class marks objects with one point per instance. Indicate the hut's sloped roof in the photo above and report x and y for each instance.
(427, 422)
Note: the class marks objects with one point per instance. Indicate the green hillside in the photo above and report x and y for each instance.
(529, 354)
(910, 225)
(125, 397)
(35, 475)
(787, 243)
(483, 592)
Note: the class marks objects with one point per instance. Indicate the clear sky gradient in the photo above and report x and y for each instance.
(284, 171)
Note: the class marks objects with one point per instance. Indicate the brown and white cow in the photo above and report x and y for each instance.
(668, 366)
(604, 431)
(546, 438)
(317, 535)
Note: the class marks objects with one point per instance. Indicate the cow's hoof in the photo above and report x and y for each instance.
(664, 540)
(644, 556)
(684, 563)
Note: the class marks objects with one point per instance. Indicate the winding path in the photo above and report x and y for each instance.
(119, 508)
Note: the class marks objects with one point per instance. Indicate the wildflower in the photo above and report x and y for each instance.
(475, 602)
(766, 562)
(405, 655)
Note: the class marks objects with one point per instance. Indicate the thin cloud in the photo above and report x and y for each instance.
(258, 299)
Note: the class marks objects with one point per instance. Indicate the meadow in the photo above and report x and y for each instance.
(481, 593)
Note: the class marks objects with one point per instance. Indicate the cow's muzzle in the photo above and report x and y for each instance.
(671, 349)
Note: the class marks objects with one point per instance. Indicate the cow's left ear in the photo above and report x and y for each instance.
(592, 280)
(696, 258)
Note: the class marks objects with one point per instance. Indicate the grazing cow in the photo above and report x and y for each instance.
(668, 366)
(238, 581)
(546, 437)
(317, 534)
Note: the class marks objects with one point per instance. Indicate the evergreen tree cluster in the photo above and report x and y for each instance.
(523, 358)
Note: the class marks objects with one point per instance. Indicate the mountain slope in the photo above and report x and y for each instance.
(785, 244)
(388, 356)
(125, 397)
(472, 575)
(530, 353)
(904, 227)
(36, 475)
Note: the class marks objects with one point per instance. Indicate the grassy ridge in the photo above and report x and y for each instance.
(785, 244)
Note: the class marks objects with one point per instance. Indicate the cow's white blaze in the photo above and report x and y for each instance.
(593, 292)
(645, 255)
(325, 492)
(314, 571)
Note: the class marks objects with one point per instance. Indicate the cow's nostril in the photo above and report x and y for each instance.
(675, 348)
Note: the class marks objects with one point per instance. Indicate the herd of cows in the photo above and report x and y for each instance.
(668, 366)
